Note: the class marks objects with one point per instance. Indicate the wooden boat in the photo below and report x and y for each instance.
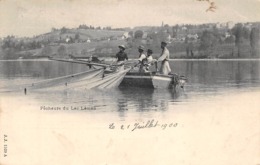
(57, 82)
(97, 79)
(152, 80)
(138, 79)
(94, 78)
(104, 76)
(66, 80)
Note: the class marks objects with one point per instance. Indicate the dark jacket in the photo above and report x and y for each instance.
(121, 56)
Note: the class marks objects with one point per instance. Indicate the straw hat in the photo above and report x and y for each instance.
(122, 46)
(164, 42)
(141, 47)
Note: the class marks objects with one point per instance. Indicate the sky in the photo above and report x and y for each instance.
(33, 17)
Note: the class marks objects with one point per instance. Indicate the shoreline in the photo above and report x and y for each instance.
(177, 59)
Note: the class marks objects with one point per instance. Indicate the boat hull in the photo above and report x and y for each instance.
(149, 80)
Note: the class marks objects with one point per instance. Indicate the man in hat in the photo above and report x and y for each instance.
(121, 58)
(141, 58)
(149, 60)
(121, 55)
(164, 58)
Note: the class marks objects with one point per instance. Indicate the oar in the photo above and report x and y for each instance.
(99, 64)
(80, 62)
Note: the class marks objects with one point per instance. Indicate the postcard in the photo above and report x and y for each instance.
(129, 82)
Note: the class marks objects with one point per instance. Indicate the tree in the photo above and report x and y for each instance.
(131, 33)
(246, 33)
(33, 45)
(255, 40)
(230, 39)
(46, 51)
(175, 30)
(53, 29)
(62, 50)
(77, 36)
(8, 42)
(20, 45)
(138, 34)
(189, 49)
(169, 30)
(238, 32)
(208, 41)
(63, 30)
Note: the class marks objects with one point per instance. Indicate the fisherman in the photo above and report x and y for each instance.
(149, 56)
(164, 58)
(148, 61)
(141, 58)
(121, 57)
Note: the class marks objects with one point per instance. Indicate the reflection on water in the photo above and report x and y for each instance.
(205, 79)
(37, 69)
(120, 99)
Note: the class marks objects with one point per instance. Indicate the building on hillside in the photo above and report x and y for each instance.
(227, 35)
(248, 26)
(180, 36)
(169, 38)
(126, 35)
(145, 34)
(221, 25)
(184, 28)
(218, 25)
(67, 39)
(193, 36)
(230, 24)
(121, 37)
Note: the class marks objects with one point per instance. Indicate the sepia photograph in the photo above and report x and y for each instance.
(129, 82)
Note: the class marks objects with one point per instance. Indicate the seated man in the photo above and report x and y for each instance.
(141, 58)
(148, 61)
(121, 57)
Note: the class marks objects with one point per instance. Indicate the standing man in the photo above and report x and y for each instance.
(164, 58)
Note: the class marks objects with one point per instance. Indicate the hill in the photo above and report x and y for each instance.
(185, 41)
(81, 35)
(63, 42)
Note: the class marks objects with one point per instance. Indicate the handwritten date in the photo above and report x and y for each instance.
(143, 125)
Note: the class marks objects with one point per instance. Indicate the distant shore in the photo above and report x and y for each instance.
(176, 59)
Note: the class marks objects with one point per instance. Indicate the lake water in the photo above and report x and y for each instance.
(215, 117)
(206, 79)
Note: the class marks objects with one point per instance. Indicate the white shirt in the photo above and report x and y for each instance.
(142, 56)
(165, 55)
(149, 59)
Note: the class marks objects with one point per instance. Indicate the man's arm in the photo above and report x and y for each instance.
(141, 58)
(126, 56)
(163, 56)
(117, 56)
